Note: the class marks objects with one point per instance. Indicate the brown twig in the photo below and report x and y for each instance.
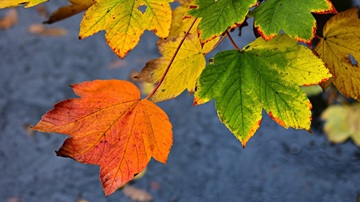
(232, 41)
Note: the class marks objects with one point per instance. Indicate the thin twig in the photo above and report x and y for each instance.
(232, 41)
(171, 61)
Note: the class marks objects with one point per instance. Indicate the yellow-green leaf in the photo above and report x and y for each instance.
(27, 3)
(75, 7)
(342, 123)
(264, 75)
(186, 67)
(188, 63)
(124, 22)
(340, 40)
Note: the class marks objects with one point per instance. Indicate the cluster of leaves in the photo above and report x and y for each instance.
(111, 126)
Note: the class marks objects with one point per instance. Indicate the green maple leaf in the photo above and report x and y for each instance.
(217, 16)
(293, 17)
(264, 75)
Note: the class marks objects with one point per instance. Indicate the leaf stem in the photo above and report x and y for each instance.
(232, 41)
(171, 61)
(317, 36)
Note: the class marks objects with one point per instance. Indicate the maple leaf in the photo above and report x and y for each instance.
(188, 62)
(217, 16)
(293, 17)
(75, 7)
(186, 68)
(264, 75)
(340, 40)
(111, 127)
(342, 123)
(124, 22)
(12, 3)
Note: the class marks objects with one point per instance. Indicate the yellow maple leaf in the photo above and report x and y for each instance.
(75, 7)
(342, 122)
(185, 69)
(188, 62)
(124, 22)
(12, 3)
(341, 39)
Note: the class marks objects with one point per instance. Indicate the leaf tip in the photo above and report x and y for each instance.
(198, 101)
(119, 52)
(60, 152)
(251, 133)
(265, 36)
(307, 41)
(277, 120)
(331, 8)
(39, 126)
(36, 127)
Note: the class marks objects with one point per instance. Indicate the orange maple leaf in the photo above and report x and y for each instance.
(112, 127)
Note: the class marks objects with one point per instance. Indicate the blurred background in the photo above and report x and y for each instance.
(206, 163)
